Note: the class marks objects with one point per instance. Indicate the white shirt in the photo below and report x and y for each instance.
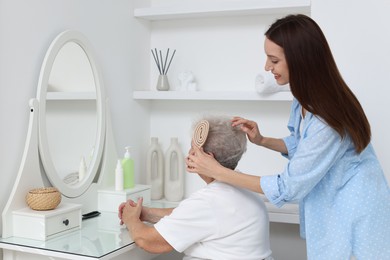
(219, 222)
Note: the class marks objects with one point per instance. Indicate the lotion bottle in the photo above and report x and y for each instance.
(128, 169)
(119, 176)
(155, 169)
(174, 172)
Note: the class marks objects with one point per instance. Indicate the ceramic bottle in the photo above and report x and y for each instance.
(155, 169)
(174, 172)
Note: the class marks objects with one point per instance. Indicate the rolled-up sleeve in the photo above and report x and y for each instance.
(291, 145)
(291, 141)
(319, 147)
(270, 187)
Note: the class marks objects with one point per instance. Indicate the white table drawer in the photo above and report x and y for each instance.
(63, 222)
(42, 225)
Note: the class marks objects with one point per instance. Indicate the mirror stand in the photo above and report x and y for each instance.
(69, 120)
(30, 173)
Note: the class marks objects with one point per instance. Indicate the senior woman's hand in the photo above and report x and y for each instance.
(128, 203)
(131, 212)
(122, 206)
(202, 163)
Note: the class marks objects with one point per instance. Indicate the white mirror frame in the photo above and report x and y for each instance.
(46, 158)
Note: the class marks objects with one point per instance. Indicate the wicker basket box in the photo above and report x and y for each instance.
(46, 198)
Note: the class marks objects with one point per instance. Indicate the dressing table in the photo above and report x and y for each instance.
(95, 240)
(69, 122)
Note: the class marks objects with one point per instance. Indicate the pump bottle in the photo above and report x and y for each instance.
(128, 169)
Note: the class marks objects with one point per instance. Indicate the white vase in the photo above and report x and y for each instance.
(174, 172)
(155, 169)
(162, 83)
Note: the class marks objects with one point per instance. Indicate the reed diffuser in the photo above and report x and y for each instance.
(163, 67)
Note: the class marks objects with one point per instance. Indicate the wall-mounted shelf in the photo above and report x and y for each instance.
(212, 95)
(71, 96)
(227, 8)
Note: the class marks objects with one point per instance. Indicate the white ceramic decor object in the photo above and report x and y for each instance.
(174, 172)
(155, 169)
(265, 83)
(187, 81)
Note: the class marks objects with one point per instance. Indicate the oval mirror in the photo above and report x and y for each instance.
(71, 114)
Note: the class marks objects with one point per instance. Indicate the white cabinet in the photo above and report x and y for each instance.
(221, 43)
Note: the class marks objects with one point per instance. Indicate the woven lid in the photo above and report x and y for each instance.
(43, 190)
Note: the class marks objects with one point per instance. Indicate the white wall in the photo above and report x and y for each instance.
(357, 34)
(26, 30)
(356, 30)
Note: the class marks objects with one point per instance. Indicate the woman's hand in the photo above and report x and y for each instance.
(250, 128)
(202, 163)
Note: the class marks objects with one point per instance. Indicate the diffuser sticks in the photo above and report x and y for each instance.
(162, 62)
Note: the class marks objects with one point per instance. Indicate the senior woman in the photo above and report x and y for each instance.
(219, 221)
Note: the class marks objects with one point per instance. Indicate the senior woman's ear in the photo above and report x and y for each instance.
(195, 150)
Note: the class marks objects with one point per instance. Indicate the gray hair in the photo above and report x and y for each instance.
(225, 142)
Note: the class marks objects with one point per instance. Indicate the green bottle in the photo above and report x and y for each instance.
(128, 169)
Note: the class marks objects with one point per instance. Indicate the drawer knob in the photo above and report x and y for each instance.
(66, 222)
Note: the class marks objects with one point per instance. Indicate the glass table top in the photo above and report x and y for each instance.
(98, 237)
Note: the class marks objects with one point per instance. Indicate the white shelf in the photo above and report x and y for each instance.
(225, 8)
(212, 95)
(163, 203)
(71, 96)
(289, 213)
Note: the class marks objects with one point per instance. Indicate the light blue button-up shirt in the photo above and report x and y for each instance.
(343, 196)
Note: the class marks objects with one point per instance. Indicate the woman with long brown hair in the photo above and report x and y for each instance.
(333, 171)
